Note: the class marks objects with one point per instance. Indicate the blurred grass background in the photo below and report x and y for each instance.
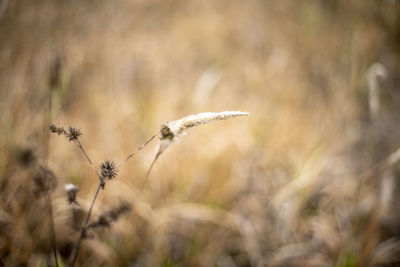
(304, 181)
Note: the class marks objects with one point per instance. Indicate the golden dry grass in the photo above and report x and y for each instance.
(303, 181)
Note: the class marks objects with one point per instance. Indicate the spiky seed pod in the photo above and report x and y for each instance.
(108, 169)
(44, 181)
(72, 191)
(73, 133)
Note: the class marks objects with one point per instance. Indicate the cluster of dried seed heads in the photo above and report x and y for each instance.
(57, 129)
(71, 133)
(170, 132)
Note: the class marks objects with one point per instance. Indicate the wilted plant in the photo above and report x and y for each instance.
(108, 171)
(170, 133)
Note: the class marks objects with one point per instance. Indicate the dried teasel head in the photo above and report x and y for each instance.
(44, 182)
(72, 191)
(108, 169)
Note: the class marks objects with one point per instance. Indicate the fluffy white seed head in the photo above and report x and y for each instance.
(178, 127)
(71, 187)
(170, 131)
(72, 191)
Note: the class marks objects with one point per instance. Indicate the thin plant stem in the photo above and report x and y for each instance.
(47, 120)
(101, 185)
(138, 149)
(149, 171)
(88, 159)
(78, 242)
(52, 229)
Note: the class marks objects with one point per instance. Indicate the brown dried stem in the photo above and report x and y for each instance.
(101, 185)
(52, 229)
(138, 149)
(82, 233)
(88, 159)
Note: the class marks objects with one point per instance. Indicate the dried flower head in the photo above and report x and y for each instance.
(57, 129)
(108, 169)
(44, 181)
(73, 133)
(170, 131)
(72, 191)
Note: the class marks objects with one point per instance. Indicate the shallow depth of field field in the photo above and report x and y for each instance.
(310, 178)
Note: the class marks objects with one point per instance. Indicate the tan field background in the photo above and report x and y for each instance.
(310, 178)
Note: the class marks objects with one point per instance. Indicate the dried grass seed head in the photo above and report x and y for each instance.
(108, 169)
(171, 131)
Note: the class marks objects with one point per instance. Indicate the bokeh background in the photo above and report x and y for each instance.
(311, 178)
